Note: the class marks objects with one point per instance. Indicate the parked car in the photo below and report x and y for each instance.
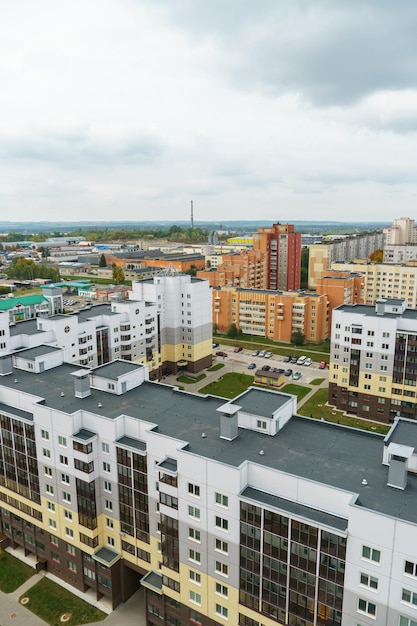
(287, 358)
(294, 360)
(277, 370)
(296, 376)
(262, 353)
(255, 353)
(308, 362)
(251, 366)
(266, 368)
(287, 372)
(301, 360)
(221, 353)
(214, 345)
(322, 365)
(238, 349)
(268, 355)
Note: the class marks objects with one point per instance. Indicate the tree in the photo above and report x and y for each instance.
(118, 274)
(102, 261)
(297, 338)
(377, 256)
(232, 331)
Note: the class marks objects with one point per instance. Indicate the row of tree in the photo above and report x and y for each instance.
(26, 269)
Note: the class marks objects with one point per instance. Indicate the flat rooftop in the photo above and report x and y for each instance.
(319, 451)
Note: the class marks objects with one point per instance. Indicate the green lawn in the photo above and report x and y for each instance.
(316, 407)
(13, 572)
(214, 368)
(295, 390)
(229, 386)
(49, 601)
(317, 381)
(189, 380)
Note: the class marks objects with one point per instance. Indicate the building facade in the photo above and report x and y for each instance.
(247, 269)
(384, 280)
(282, 246)
(323, 255)
(219, 510)
(400, 253)
(272, 314)
(341, 288)
(184, 311)
(373, 360)
(402, 231)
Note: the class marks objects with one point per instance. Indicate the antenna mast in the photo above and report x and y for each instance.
(192, 215)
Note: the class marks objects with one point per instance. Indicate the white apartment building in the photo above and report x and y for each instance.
(401, 232)
(400, 253)
(236, 512)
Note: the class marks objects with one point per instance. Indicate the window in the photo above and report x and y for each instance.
(68, 515)
(195, 577)
(221, 568)
(69, 532)
(385, 335)
(52, 523)
(409, 596)
(109, 523)
(222, 590)
(194, 556)
(261, 424)
(222, 499)
(107, 486)
(110, 541)
(105, 447)
(66, 496)
(108, 504)
(71, 549)
(194, 490)
(106, 467)
(222, 523)
(385, 346)
(51, 507)
(195, 597)
(63, 459)
(410, 568)
(194, 534)
(72, 566)
(369, 581)
(366, 607)
(65, 479)
(45, 435)
(221, 610)
(194, 512)
(48, 471)
(62, 441)
(46, 453)
(49, 489)
(222, 546)
(371, 554)
(406, 621)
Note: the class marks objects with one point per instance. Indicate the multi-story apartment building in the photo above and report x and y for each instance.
(402, 231)
(323, 255)
(400, 253)
(236, 512)
(384, 280)
(247, 269)
(282, 246)
(373, 360)
(184, 310)
(341, 288)
(272, 314)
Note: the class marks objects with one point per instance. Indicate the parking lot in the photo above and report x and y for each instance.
(238, 361)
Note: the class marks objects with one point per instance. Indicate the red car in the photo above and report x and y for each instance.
(221, 353)
(322, 365)
(238, 349)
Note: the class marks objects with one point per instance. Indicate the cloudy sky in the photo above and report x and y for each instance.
(269, 109)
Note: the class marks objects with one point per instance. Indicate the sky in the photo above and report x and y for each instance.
(268, 109)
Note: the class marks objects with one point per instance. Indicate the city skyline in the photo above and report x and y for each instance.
(132, 109)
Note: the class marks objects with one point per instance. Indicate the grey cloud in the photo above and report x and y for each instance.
(76, 150)
(332, 53)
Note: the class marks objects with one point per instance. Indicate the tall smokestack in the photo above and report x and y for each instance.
(192, 215)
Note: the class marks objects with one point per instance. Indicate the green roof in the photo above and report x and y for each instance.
(10, 303)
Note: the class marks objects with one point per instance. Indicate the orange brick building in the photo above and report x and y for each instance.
(272, 314)
(282, 246)
(341, 288)
(247, 269)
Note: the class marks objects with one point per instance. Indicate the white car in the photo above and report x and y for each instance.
(308, 362)
(301, 360)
